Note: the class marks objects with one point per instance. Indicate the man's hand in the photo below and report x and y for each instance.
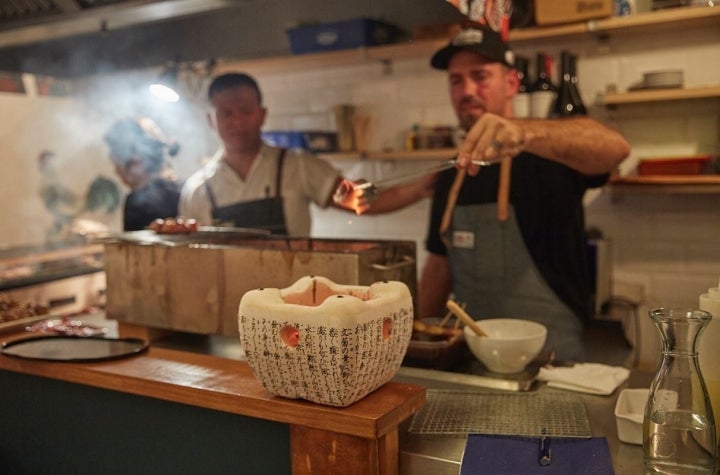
(491, 139)
(355, 196)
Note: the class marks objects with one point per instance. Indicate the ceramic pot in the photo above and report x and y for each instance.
(325, 342)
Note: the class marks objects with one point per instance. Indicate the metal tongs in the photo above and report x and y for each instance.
(371, 189)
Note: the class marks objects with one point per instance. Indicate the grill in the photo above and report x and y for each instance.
(459, 413)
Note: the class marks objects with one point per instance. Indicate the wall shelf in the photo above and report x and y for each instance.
(690, 184)
(663, 20)
(429, 154)
(659, 95)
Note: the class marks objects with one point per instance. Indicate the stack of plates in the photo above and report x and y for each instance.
(662, 79)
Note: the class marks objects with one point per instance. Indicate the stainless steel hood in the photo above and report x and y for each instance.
(30, 21)
(76, 38)
(79, 38)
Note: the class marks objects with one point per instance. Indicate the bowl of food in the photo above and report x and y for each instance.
(510, 345)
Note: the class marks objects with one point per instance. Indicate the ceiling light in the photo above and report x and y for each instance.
(165, 86)
(176, 77)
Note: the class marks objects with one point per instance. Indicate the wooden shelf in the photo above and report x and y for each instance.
(430, 154)
(658, 95)
(663, 20)
(692, 184)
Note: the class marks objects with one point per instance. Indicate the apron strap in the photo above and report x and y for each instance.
(278, 176)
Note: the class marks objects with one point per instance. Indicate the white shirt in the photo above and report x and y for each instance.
(305, 179)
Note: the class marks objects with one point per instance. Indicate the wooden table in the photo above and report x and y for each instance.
(362, 438)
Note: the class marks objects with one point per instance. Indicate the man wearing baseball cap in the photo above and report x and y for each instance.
(526, 260)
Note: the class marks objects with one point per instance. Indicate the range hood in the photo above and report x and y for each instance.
(25, 22)
(79, 38)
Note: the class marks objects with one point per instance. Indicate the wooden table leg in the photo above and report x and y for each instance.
(316, 451)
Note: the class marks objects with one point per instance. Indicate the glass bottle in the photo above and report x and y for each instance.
(577, 100)
(542, 93)
(568, 101)
(678, 428)
(521, 101)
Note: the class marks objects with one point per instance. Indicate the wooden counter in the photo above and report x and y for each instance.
(362, 438)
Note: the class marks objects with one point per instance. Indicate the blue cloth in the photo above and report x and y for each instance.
(511, 455)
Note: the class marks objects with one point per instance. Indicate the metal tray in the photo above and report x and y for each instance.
(73, 348)
(462, 412)
(203, 234)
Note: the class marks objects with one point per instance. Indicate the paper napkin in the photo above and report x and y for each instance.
(591, 378)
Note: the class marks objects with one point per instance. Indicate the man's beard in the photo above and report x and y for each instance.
(467, 121)
(469, 112)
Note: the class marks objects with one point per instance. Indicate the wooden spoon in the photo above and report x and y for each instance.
(467, 319)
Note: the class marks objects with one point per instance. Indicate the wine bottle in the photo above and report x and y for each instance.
(521, 101)
(577, 99)
(568, 101)
(543, 91)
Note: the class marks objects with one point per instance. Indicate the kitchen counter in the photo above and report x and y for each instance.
(209, 372)
(174, 410)
(433, 455)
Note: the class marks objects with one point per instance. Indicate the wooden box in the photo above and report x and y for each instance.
(197, 287)
(552, 12)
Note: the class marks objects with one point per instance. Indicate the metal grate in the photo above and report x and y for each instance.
(448, 412)
(24, 9)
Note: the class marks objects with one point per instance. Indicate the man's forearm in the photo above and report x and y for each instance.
(580, 143)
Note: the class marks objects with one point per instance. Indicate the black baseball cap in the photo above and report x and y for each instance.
(487, 43)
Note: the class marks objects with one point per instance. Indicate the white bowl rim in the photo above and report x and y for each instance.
(541, 329)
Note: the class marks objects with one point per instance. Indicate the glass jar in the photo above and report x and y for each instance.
(678, 428)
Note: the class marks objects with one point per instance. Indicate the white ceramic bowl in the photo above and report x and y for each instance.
(510, 345)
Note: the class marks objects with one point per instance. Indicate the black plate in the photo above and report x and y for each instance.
(73, 348)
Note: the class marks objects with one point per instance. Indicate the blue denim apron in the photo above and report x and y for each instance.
(267, 213)
(495, 276)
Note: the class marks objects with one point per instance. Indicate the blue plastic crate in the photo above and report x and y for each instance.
(340, 35)
(311, 140)
(285, 139)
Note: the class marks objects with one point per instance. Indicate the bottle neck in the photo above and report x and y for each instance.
(566, 67)
(522, 69)
(680, 331)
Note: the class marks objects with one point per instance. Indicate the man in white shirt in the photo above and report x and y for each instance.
(249, 183)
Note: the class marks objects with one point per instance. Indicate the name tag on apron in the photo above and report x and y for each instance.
(463, 239)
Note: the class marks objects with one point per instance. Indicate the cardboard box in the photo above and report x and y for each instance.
(552, 12)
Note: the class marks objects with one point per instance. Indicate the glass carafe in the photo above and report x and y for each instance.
(678, 429)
